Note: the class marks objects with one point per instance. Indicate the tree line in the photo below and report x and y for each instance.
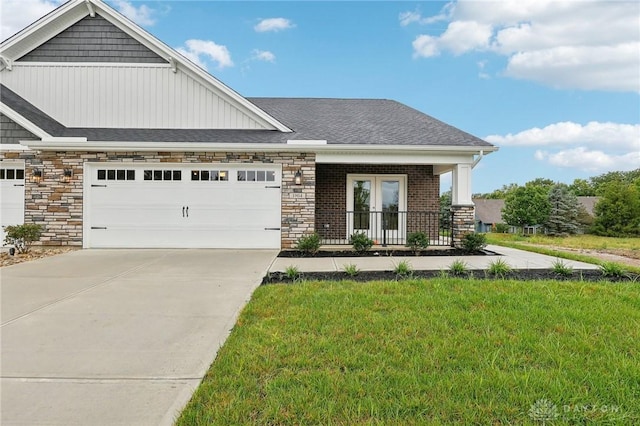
(543, 202)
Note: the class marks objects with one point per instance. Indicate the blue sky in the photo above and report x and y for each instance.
(555, 84)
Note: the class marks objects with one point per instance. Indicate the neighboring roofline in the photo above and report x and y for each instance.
(147, 39)
(26, 124)
(77, 144)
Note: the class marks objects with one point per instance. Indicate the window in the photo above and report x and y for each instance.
(163, 175)
(256, 176)
(117, 174)
(210, 175)
(13, 174)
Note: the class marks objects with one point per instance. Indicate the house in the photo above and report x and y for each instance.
(488, 213)
(110, 138)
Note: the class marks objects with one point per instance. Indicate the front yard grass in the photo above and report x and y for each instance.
(440, 351)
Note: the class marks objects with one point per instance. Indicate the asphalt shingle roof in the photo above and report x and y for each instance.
(338, 121)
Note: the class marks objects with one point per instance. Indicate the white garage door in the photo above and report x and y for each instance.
(11, 194)
(182, 206)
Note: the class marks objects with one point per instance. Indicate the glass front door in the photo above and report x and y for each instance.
(376, 205)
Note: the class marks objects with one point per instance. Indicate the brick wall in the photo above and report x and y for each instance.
(58, 205)
(423, 190)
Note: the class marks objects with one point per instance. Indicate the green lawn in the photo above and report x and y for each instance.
(442, 351)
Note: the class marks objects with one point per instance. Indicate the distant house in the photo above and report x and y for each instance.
(489, 214)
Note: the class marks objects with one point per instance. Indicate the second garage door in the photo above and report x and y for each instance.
(182, 206)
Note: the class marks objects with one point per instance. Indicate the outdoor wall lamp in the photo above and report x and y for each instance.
(297, 178)
(66, 175)
(36, 176)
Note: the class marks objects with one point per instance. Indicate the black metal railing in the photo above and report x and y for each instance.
(384, 227)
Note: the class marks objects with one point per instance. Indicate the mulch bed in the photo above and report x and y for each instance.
(587, 275)
(387, 252)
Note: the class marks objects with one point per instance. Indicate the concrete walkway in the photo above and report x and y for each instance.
(517, 259)
(116, 337)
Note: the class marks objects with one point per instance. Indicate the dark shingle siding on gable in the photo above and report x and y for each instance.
(11, 132)
(92, 40)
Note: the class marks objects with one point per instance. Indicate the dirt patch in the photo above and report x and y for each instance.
(33, 254)
(625, 257)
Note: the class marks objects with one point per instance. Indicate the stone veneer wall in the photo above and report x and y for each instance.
(58, 206)
(463, 222)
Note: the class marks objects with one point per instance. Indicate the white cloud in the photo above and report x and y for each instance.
(590, 160)
(460, 37)
(588, 45)
(594, 134)
(273, 24)
(197, 51)
(17, 14)
(141, 15)
(408, 18)
(263, 55)
(593, 147)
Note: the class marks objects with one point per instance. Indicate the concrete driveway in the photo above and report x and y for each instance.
(117, 337)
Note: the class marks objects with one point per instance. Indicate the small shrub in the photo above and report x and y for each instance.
(561, 268)
(403, 269)
(417, 241)
(612, 270)
(499, 268)
(22, 236)
(458, 267)
(309, 244)
(473, 242)
(293, 273)
(361, 242)
(351, 269)
(502, 228)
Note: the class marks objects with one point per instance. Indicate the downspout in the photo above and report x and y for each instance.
(477, 160)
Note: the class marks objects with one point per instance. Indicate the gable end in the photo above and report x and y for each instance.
(92, 40)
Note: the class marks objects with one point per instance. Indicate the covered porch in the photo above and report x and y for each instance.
(392, 196)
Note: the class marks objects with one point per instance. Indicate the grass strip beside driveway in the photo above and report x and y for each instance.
(428, 351)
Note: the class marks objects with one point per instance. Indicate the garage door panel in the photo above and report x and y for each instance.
(11, 194)
(183, 212)
(135, 216)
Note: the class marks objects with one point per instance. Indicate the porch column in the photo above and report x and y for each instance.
(462, 206)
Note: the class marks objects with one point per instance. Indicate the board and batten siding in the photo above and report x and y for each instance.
(111, 95)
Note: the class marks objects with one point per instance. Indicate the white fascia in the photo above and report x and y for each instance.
(19, 119)
(324, 153)
(12, 147)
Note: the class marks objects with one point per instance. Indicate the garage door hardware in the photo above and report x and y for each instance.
(271, 229)
(185, 209)
(98, 227)
(98, 186)
(273, 186)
